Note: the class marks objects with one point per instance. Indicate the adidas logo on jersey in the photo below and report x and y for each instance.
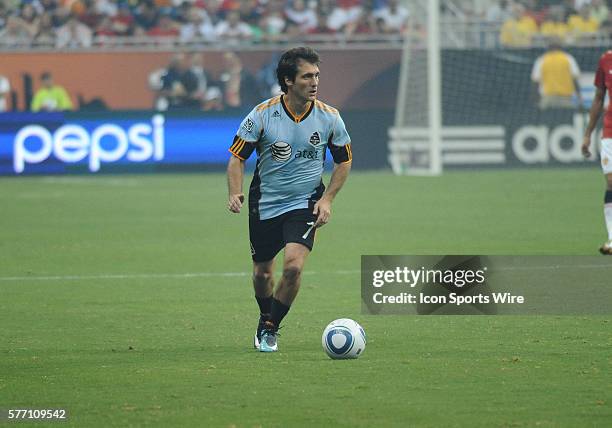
(276, 114)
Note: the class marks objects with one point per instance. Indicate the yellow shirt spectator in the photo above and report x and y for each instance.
(556, 72)
(554, 29)
(579, 24)
(51, 99)
(518, 32)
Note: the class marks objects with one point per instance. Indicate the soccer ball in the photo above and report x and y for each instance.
(343, 339)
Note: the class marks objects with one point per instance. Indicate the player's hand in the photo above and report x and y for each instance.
(322, 210)
(586, 144)
(234, 203)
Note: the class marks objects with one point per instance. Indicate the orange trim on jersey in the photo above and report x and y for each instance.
(237, 147)
(270, 103)
(325, 107)
(235, 144)
(237, 155)
(349, 152)
(292, 115)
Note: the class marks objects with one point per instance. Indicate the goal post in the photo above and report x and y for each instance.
(415, 140)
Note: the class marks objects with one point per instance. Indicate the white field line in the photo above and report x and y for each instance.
(154, 276)
(248, 274)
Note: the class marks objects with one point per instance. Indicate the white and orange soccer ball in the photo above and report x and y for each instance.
(343, 339)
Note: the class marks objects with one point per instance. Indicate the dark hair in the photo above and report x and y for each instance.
(288, 64)
(45, 76)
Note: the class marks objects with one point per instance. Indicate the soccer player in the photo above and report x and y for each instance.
(287, 198)
(603, 82)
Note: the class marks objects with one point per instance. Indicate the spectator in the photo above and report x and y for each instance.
(73, 34)
(599, 11)
(394, 17)
(50, 97)
(555, 75)
(165, 27)
(519, 30)
(273, 22)
(46, 33)
(60, 17)
(90, 15)
(536, 10)
(554, 25)
(5, 93)
(3, 15)
(323, 11)
(239, 86)
(250, 12)
(583, 23)
(47, 6)
(345, 16)
(304, 18)
(15, 33)
(179, 85)
(208, 92)
(122, 23)
(267, 82)
(29, 18)
(146, 15)
(198, 26)
(232, 28)
(498, 11)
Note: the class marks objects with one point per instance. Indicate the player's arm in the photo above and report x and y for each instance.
(243, 145)
(235, 176)
(594, 114)
(343, 159)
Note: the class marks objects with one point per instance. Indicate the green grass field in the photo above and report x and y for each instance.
(126, 300)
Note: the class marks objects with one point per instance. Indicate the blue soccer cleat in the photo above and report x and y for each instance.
(260, 328)
(268, 338)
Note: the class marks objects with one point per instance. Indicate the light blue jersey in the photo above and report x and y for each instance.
(290, 154)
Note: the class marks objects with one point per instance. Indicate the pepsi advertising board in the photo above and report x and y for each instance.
(58, 143)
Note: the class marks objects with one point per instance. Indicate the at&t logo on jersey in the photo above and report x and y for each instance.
(307, 154)
(72, 143)
(281, 151)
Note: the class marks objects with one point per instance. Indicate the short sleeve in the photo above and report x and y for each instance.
(247, 136)
(251, 127)
(339, 142)
(574, 68)
(536, 71)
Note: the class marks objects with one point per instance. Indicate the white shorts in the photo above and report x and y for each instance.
(606, 155)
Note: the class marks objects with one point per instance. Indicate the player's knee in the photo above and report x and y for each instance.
(609, 181)
(262, 276)
(292, 274)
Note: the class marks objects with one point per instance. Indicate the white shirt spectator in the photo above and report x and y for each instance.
(199, 26)
(344, 13)
(496, 13)
(233, 28)
(5, 93)
(105, 7)
(394, 16)
(579, 3)
(305, 18)
(74, 34)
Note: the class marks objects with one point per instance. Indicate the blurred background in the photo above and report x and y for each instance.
(151, 85)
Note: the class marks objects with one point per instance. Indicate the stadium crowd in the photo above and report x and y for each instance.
(82, 23)
(570, 21)
(77, 23)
